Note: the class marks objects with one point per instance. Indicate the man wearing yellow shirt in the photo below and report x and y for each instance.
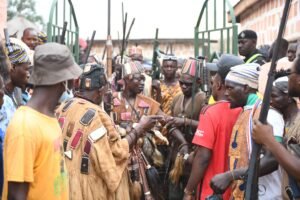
(34, 166)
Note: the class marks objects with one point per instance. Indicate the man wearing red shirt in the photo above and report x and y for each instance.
(212, 136)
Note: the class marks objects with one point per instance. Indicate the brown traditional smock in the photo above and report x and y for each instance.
(96, 156)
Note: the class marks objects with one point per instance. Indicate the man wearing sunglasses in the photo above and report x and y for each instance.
(185, 110)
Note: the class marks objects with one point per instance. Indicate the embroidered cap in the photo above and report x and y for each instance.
(135, 51)
(93, 77)
(190, 67)
(170, 58)
(131, 68)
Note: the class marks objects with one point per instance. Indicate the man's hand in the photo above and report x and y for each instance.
(148, 122)
(184, 149)
(220, 182)
(156, 85)
(188, 197)
(262, 133)
(175, 121)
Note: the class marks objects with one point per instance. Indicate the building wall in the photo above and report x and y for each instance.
(3, 15)
(180, 49)
(264, 17)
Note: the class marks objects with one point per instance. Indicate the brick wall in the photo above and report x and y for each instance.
(3, 15)
(264, 17)
(180, 49)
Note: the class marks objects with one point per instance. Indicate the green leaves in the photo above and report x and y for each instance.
(24, 8)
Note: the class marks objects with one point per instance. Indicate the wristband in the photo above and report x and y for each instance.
(172, 129)
(188, 192)
(183, 144)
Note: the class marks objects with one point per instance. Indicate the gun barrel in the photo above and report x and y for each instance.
(89, 47)
(63, 34)
(253, 171)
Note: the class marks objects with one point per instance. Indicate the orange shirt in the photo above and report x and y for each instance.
(33, 153)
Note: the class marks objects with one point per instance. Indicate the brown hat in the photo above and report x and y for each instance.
(53, 63)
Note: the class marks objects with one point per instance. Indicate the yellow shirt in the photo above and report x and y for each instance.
(211, 100)
(33, 153)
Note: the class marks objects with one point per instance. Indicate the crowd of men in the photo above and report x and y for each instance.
(70, 132)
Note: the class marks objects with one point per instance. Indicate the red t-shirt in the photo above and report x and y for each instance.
(213, 132)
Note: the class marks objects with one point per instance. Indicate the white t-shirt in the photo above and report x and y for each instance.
(269, 186)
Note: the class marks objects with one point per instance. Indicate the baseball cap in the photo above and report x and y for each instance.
(247, 34)
(53, 63)
(226, 60)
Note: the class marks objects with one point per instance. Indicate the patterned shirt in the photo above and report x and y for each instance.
(168, 92)
(6, 112)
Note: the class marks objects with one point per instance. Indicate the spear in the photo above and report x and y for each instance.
(253, 171)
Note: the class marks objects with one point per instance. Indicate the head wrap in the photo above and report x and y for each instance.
(131, 68)
(126, 59)
(282, 84)
(247, 34)
(245, 74)
(190, 67)
(42, 37)
(135, 51)
(92, 77)
(16, 53)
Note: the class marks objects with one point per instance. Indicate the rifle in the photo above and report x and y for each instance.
(155, 70)
(205, 76)
(128, 33)
(123, 40)
(142, 166)
(63, 34)
(119, 43)
(109, 46)
(200, 60)
(253, 170)
(89, 48)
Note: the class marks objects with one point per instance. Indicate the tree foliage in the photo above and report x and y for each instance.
(24, 8)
